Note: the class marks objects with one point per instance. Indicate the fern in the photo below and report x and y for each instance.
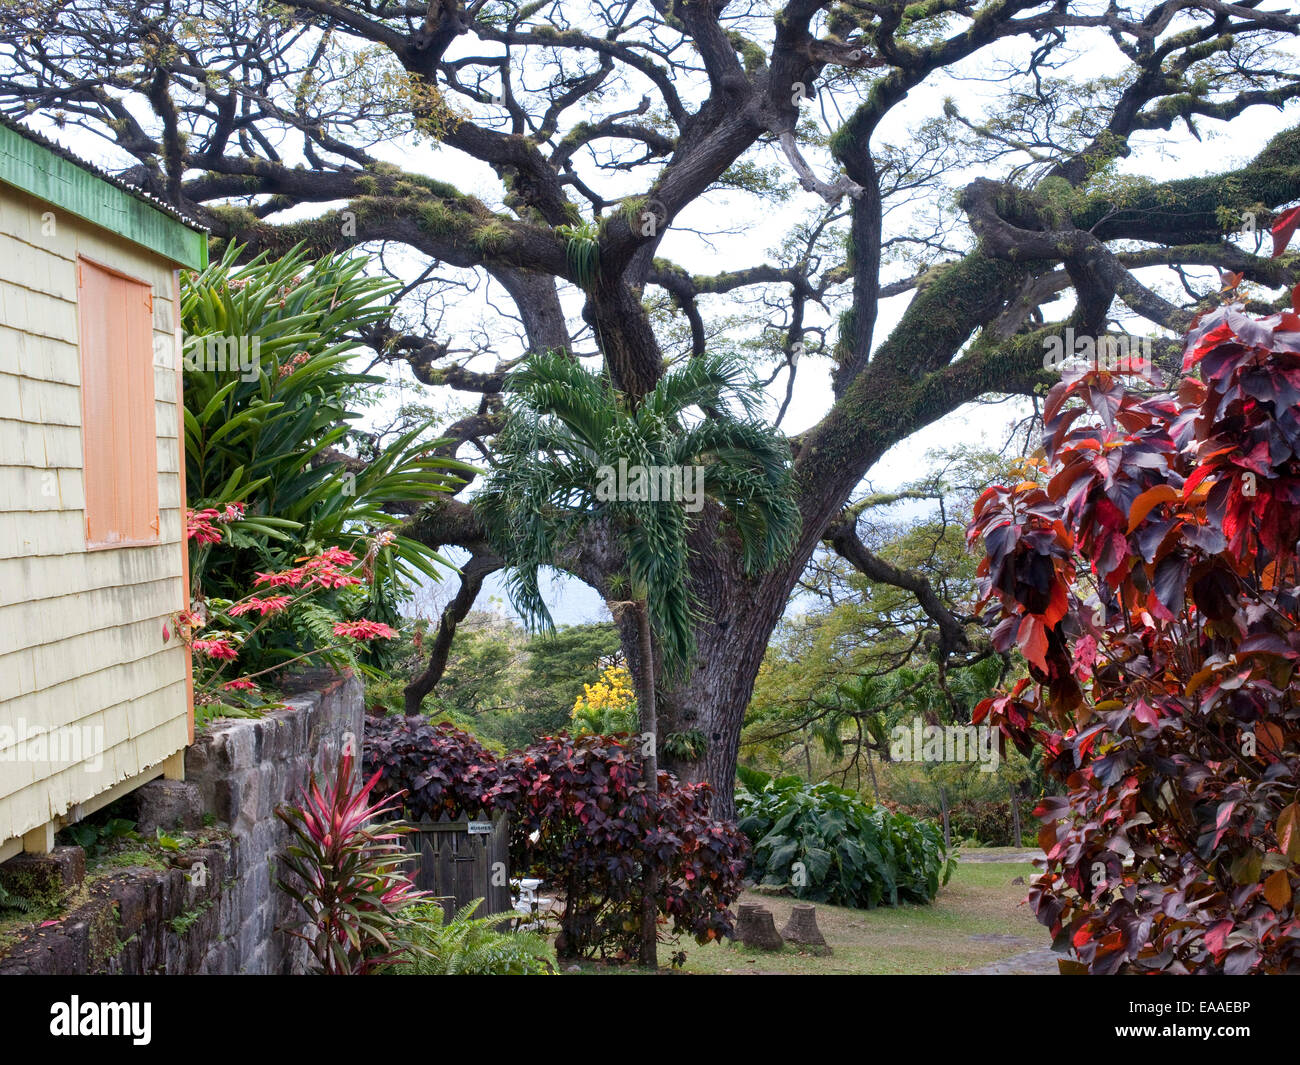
(471, 946)
(11, 901)
(313, 623)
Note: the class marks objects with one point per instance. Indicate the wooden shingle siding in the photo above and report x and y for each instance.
(81, 655)
(83, 572)
(81, 631)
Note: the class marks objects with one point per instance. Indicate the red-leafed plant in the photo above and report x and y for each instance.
(1151, 579)
(347, 876)
(437, 770)
(583, 818)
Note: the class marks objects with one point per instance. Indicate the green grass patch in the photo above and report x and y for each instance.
(977, 919)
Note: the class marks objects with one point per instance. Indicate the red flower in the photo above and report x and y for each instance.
(270, 605)
(331, 556)
(364, 630)
(329, 577)
(324, 569)
(289, 577)
(219, 647)
(243, 684)
(199, 527)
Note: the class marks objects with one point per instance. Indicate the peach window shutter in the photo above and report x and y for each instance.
(119, 432)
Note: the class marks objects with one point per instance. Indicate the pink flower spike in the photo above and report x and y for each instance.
(331, 556)
(364, 630)
(332, 579)
(289, 577)
(273, 604)
(199, 527)
(216, 648)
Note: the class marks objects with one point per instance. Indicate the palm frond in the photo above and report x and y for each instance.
(566, 424)
(718, 382)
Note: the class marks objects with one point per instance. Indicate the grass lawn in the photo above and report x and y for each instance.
(976, 919)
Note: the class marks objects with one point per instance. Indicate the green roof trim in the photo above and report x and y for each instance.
(29, 165)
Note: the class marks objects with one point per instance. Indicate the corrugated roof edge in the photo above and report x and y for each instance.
(103, 175)
(38, 166)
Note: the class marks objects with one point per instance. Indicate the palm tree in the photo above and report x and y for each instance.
(567, 461)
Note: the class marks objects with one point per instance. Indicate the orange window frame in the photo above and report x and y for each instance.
(119, 432)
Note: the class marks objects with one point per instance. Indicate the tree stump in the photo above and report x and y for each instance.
(802, 929)
(756, 928)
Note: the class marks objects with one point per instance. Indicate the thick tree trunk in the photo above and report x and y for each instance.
(714, 697)
(736, 620)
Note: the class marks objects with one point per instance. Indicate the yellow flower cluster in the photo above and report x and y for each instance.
(607, 706)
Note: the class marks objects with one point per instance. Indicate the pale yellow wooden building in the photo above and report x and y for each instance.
(95, 690)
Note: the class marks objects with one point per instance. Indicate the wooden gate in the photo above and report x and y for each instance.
(463, 859)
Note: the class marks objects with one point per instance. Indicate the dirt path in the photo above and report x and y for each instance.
(1030, 963)
(1038, 962)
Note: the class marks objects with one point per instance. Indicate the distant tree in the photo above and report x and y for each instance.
(508, 686)
(868, 649)
(559, 663)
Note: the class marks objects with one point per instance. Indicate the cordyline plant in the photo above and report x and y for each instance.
(1153, 585)
(347, 876)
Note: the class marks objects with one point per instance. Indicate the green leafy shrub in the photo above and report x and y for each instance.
(269, 408)
(470, 946)
(96, 837)
(986, 822)
(827, 845)
(979, 808)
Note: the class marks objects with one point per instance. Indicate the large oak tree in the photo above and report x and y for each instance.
(267, 120)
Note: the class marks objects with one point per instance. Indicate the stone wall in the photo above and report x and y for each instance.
(243, 770)
(217, 910)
